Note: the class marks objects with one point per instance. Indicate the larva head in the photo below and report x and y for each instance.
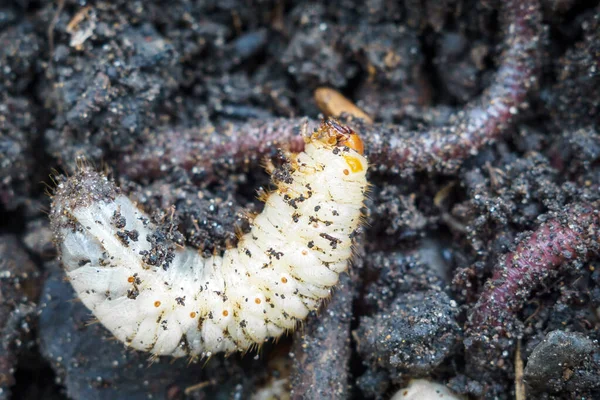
(340, 149)
(333, 133)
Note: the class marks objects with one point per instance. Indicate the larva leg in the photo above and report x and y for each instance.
(170, 301)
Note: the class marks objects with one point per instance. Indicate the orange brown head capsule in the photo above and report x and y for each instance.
(354, 142)
(344, 135)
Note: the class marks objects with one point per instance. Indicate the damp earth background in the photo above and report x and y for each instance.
(484, 156)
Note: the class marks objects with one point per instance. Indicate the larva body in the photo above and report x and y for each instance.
(190, 305)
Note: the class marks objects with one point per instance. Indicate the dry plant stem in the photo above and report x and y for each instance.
(321, 349)
(483, 120)
(333, 103)
(389, 148)
(520, 392)
(572, 236)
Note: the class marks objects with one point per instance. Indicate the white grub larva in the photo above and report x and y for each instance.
(188, 305)
(423, 389)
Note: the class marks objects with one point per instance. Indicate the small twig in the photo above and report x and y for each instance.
(520, 393)
(190, 389)
(50, 32)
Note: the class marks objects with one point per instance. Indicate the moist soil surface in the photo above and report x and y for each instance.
(143, 90)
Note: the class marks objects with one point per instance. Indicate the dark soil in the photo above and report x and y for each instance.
(182, 104)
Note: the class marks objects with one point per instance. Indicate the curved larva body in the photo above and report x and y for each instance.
(280, 270)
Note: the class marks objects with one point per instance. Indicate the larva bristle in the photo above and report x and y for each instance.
(52, 178)
(54, 173)
(364, 220)
(249, 215)
(229, 245)
(280, 187)
(106, 169)
(153, 359)
(300, 327)
(267, 164)
(48, 190)
(258, 349)
(239, 233)
(324, 304)
(293, 161)
(248, 350)
(92, 321)
(275, 340)
(262, 195)
(44, 210)
(83, 162)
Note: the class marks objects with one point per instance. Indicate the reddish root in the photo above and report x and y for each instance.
(389, 148)
(572, 236)
(210, 154)
(484, 120)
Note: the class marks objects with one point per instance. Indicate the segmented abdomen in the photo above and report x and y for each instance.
(280, 270)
